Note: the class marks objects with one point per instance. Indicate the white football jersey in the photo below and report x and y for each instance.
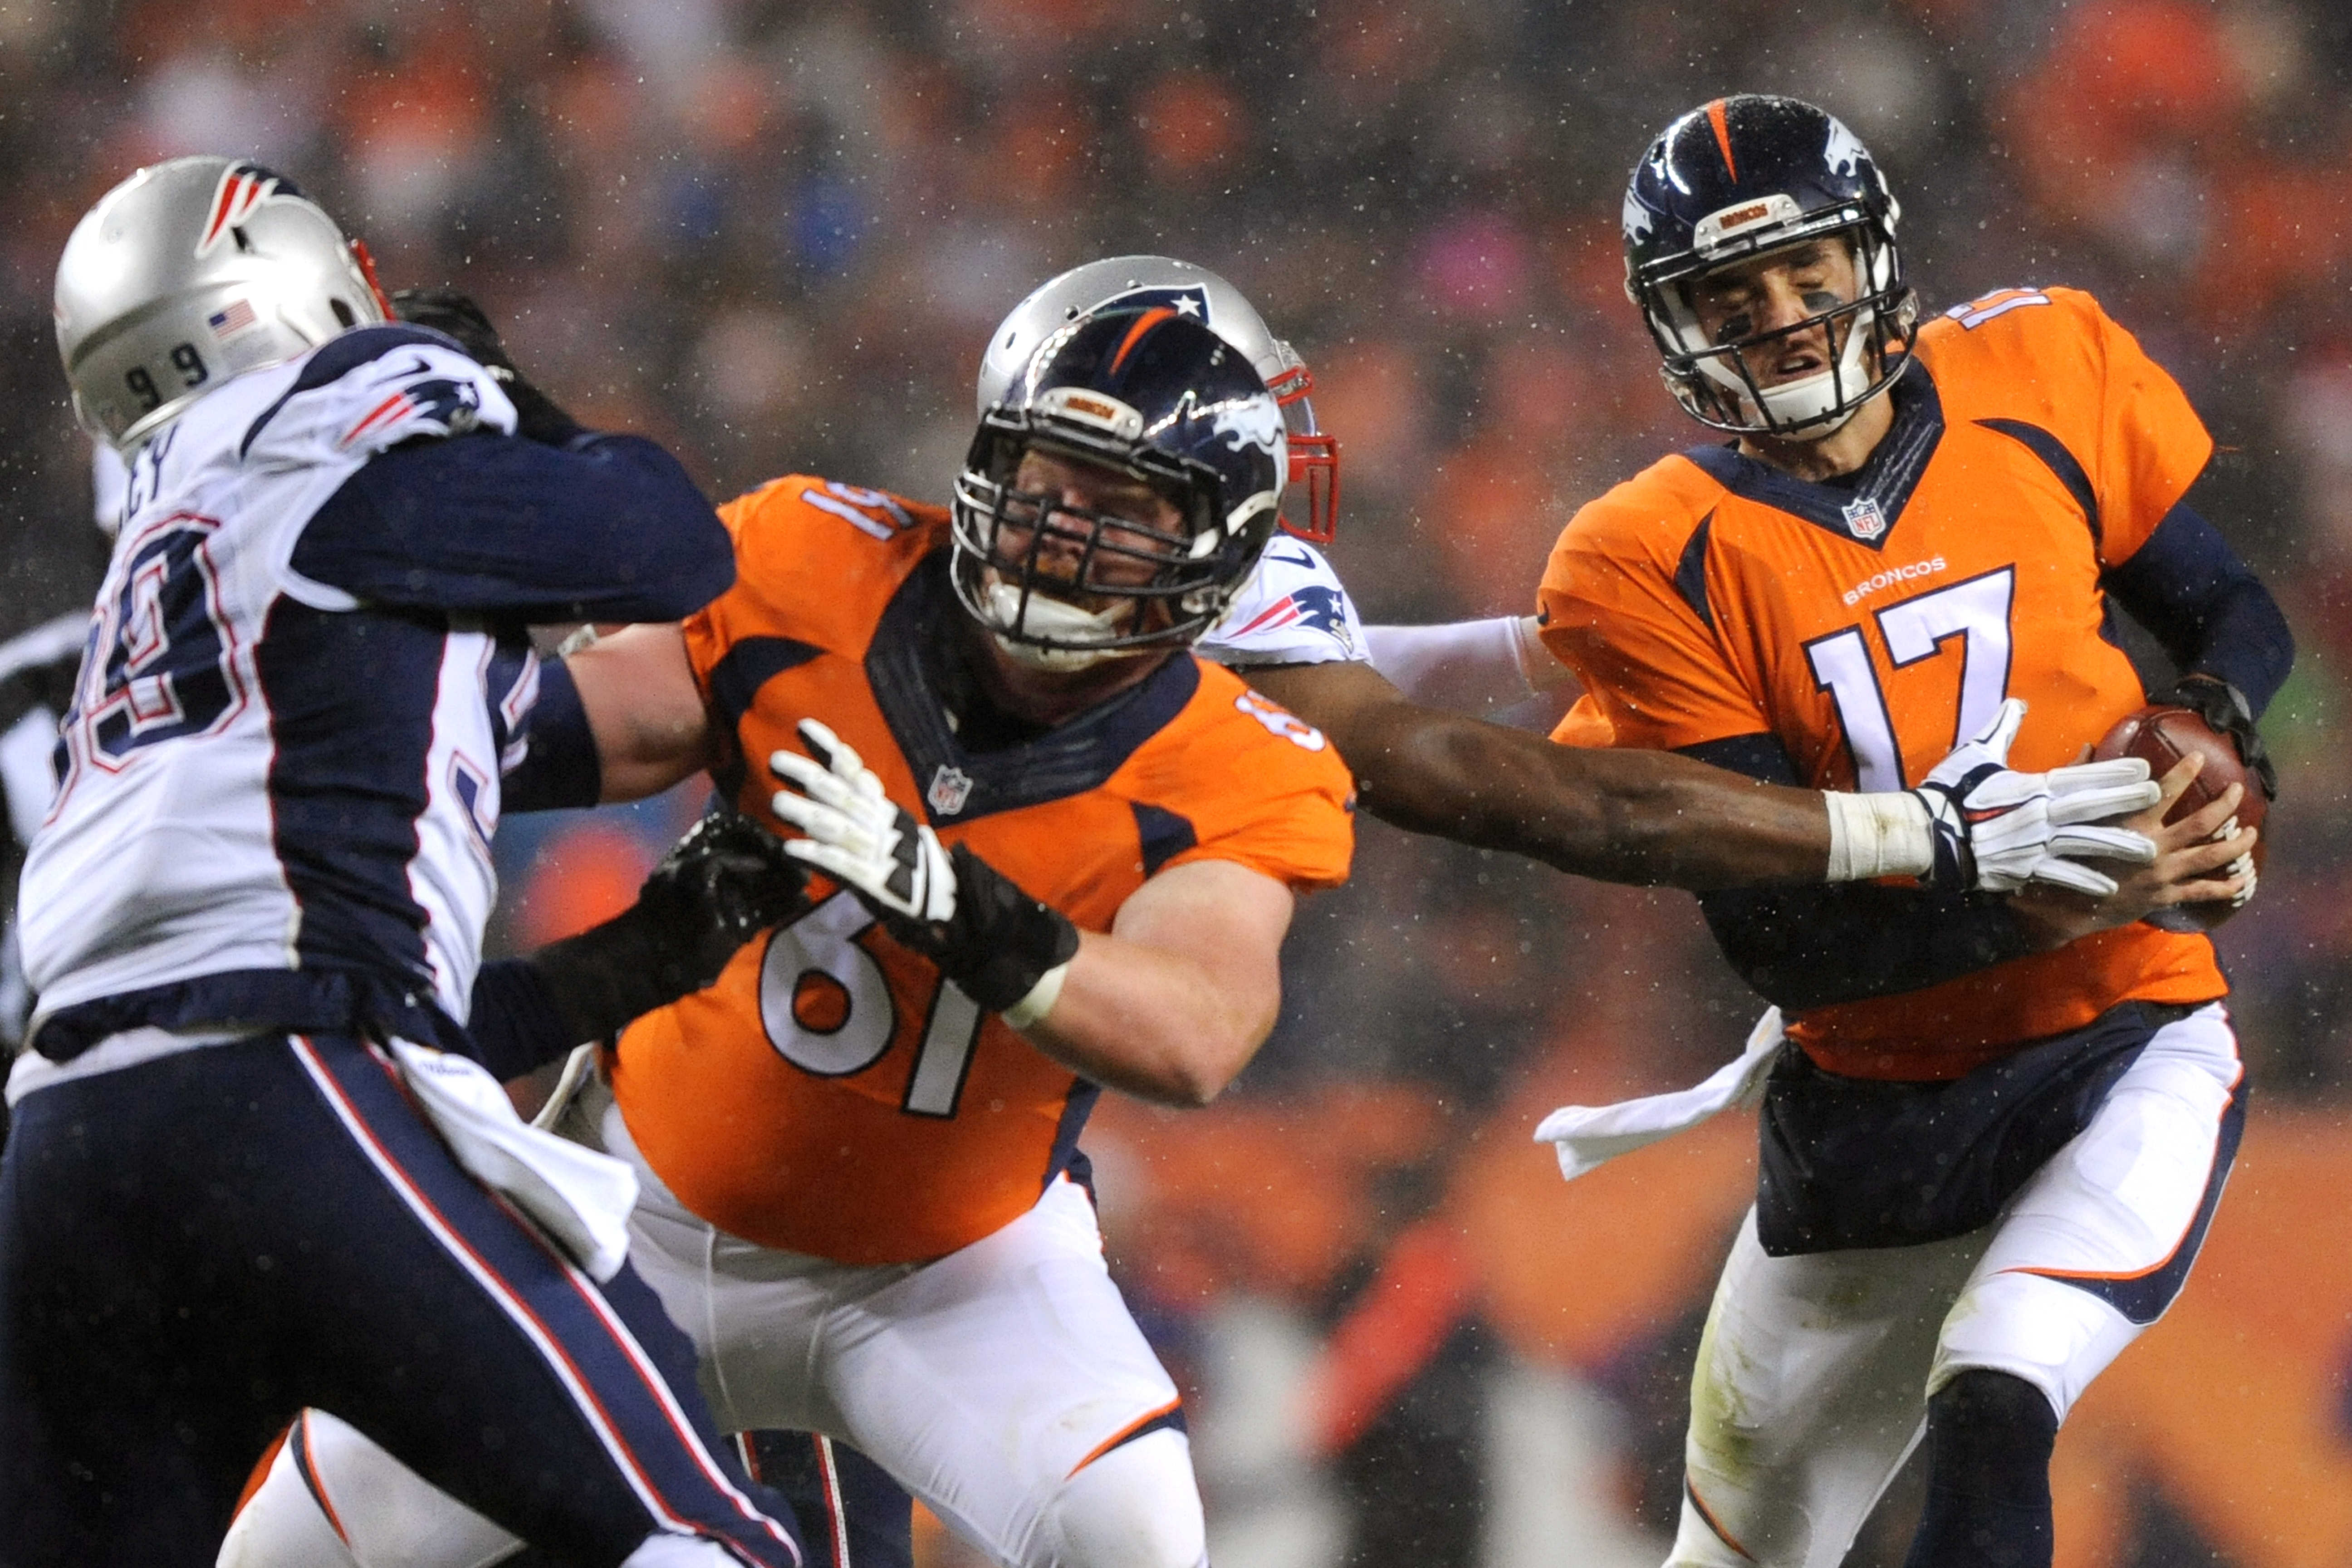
(219, 809)
(1291, 609)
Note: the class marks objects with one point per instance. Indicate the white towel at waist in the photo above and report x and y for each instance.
(1588, 1136)
(580, 1197)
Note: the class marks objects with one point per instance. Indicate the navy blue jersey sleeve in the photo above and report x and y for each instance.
(2213, 615)
(1812, 946)
(610, 529)
(515, 1027)
(559, 766)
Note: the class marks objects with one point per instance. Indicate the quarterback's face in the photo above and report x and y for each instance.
(1122, 556)
(1757, 301)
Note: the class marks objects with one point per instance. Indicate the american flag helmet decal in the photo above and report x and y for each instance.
(234, 319)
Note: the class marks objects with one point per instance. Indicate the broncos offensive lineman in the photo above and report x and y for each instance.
(1992, 1147)
(257, 902)
(1064, 645)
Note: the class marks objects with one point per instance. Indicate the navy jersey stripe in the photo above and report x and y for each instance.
(1076, 1109)
(350, 700)
(1164, 833)
(2205, 604)
(2060, 462)
(1887, 479)
(1690, 572)
(1071, 759)
(735, 680)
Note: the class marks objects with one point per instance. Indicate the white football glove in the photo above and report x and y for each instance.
(1997, 830)
(1003, 949)
(857, 834)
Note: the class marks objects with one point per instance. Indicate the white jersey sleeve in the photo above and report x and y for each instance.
(1291, 610)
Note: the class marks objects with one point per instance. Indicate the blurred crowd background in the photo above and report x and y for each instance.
(775, 235)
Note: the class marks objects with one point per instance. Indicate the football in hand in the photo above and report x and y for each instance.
(2162, 736)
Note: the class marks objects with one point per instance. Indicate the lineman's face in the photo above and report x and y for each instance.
(1133, 555)
(1770, 293)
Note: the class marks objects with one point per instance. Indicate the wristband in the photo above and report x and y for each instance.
(1040, 1001)
(1880, 835)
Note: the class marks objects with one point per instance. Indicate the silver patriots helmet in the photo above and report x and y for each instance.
(191, 272)
(1140, 282)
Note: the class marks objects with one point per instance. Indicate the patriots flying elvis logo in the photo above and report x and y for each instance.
(456, 406)
(243, 188)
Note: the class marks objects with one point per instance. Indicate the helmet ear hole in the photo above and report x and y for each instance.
(343, 312)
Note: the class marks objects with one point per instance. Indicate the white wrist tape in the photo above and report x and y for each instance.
(1873, 836)
(1040, 1001)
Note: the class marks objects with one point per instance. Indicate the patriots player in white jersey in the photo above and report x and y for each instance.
(258, 902)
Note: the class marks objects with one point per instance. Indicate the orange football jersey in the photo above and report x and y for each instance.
(1870, 628)
(832, 1093)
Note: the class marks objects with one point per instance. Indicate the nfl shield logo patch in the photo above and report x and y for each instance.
(951, 787)
(1863, 520)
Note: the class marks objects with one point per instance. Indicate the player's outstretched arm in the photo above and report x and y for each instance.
(1467, 666)
(643, 710)
(1648, 816)
(1621, 817)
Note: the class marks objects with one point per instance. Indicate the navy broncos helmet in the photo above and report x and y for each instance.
(1746, 175)
(1155, 396)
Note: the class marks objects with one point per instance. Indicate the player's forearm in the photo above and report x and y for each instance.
(643, 710)
(1155, 1025)
(1618, 816)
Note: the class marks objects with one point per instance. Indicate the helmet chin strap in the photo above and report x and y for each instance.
(1061, 623)
(1793, 403)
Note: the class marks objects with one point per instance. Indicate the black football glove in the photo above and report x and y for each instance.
(537, 416)
(722, 884)
(2225, 708)
(995, 942)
